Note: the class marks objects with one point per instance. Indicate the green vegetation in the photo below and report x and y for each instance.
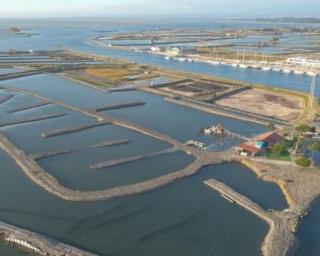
(304, 128)
(271, 126)
(303, 162)
(103, 85)
(291, 143)
(315, 147)
(279, 149)
(279, 152)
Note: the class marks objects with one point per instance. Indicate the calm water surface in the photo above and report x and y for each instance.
(76, 35)
(186, 218)
(309, 233)
(184, 211)
(177, 121)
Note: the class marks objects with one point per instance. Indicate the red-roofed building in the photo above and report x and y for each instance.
(267, 139)
(245, 149)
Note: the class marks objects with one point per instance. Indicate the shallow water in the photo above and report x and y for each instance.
(76, 34)
(244, 181)
(8, 70)
(177, 121)
(309, 233)
(185, 218)
(117, 227)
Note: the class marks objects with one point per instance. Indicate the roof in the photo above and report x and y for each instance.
(249, 148)
(269, 136)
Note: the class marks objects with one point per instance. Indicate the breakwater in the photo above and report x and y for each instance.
(72, 150)
(110, 163)
(119, 106)
(122, 89)
(37, 243)
(280, 237)
(31, 119)
(111, 143)
(6, 98)
(64, 131)
(46, 181)
(23, 108)
(19, 74)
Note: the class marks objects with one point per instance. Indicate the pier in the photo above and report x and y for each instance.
(280, 237)
(6, 98)
(64, 131)
(122, 89)
(239, 199)
(111, 143)
(121, 161)
(24, 108)
(31, 119)
(119, 106)
(19, 74)
(67, 151)
(46, 181)
(112, 120)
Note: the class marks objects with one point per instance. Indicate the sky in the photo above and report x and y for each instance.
(139, 8)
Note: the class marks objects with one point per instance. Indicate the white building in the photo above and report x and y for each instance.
(155, 49)
(173, 51)
(304, 62)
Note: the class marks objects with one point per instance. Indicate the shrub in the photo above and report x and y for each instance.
(271, 126)
(303, 162)
(279, 149)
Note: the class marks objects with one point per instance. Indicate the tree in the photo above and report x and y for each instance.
(314, 147)
(271, 126)
(303, 162)
(303, 128)
(279, 149)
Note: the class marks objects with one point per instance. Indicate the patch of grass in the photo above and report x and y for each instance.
(303, 162)
(113, 73)
(103, 85)
(283, 157)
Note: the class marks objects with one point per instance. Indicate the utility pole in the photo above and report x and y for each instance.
(311, 99)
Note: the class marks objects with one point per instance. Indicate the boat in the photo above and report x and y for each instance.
(190, 60)
(234, 65)
(310, 73)
(181, 59)
(297, 72)
(167, 58)
(276, 69)
(254, 66)
(243, 66)
(287, 71)
(213, 62)
(266, 68)
(218, 130)
(227, 198)
(195, 143)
